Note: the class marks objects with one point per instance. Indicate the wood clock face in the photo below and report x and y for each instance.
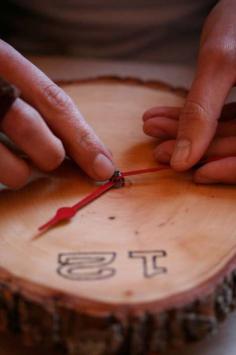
(156, 238)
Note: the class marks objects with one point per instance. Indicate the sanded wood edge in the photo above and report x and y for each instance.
(152, 84)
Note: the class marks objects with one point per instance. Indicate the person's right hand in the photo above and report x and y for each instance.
(162, 123)
(198, 121)
(45, 124)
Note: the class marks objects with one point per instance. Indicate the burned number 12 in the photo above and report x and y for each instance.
(94, 266)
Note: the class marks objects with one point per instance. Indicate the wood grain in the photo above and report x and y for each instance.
(144, 267)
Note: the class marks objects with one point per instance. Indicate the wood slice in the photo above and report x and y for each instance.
(144, 267)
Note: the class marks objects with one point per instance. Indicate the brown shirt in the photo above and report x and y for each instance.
(150, 30)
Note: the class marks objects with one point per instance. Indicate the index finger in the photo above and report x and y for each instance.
(59, 111)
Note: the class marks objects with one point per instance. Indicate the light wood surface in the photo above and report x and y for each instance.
(145, 218)
(162, 217)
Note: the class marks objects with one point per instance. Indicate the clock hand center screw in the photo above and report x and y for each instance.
(118, 179)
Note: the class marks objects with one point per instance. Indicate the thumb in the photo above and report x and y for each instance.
(198, 118)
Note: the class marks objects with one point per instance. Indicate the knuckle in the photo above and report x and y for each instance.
(86, 139)
(196, 116)
(56, 97)
(193, 110)
(86, 145)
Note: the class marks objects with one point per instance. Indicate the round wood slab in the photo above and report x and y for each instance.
(144, 267)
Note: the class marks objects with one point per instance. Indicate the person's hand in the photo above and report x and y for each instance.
(162, 123)
(45, 124)
(194, 131)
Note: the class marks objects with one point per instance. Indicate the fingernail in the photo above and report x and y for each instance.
(181, 152)
(162, 156)
(103, 167)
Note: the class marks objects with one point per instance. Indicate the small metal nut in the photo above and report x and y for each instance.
(118, 179)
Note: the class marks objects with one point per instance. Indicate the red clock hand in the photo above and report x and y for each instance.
(145, 171)
(66, 213)
(117, 180)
